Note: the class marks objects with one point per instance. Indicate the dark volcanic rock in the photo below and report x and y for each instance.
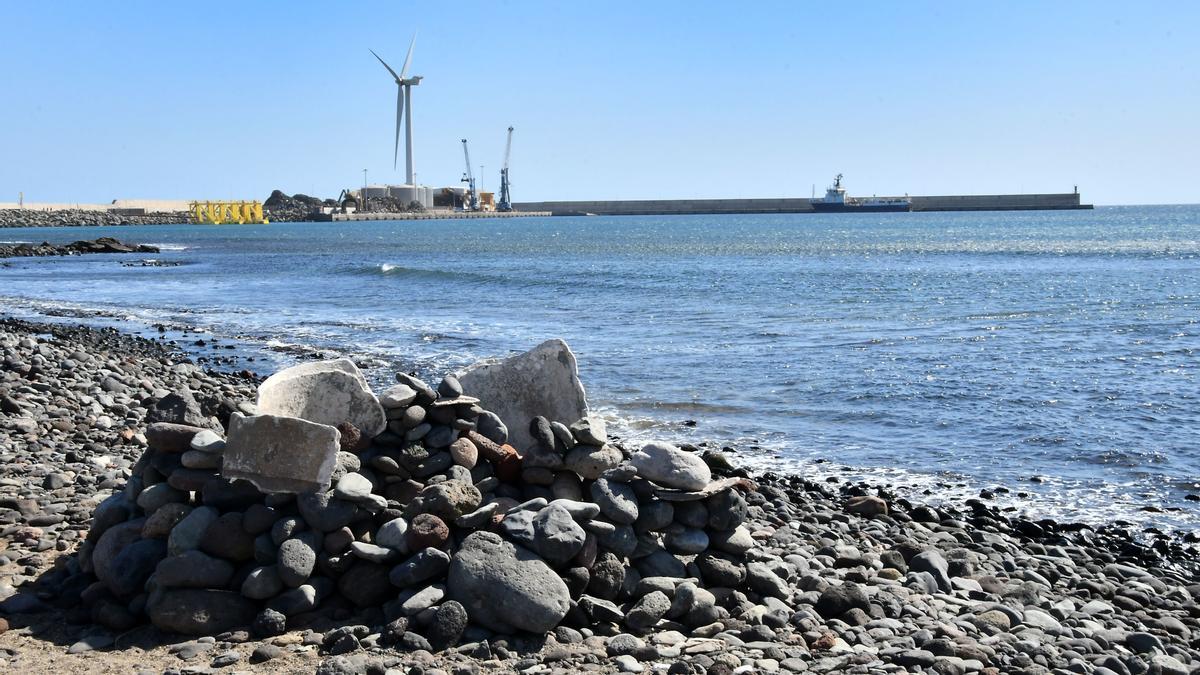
(199, 612)
(503, 586)
(837, 600)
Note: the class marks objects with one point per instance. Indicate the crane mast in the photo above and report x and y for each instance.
(472, 202)
(505, 203)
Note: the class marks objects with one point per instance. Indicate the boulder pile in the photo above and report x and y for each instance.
(412, 511)
(281, 207)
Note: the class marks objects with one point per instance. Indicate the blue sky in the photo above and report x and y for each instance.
(610, 100)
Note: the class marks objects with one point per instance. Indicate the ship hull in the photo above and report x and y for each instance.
(821, 207)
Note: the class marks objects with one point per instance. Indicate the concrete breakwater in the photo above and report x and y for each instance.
(115, 510)
(654, 207)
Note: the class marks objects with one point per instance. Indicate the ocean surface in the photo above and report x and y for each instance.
(1054, 354)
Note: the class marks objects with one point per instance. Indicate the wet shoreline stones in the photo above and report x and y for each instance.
(100, 245)
(794, 576)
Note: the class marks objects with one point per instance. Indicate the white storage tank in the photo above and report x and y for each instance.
(405, 193)
(376, 191)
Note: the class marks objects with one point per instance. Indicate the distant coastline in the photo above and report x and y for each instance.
(292, 211)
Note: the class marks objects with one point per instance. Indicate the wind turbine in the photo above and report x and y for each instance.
(404, 110)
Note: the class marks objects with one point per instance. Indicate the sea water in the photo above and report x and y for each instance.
(1054, 354)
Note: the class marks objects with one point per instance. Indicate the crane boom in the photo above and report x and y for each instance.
(472, 202)
(507, 149)
(505, 203)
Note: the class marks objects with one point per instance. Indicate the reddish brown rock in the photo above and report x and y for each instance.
(352, 439)
(508, 468)
(489, 449)
(427, 531)
(824, 642)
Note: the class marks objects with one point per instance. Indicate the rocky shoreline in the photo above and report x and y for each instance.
(46, 249)
(779, 575)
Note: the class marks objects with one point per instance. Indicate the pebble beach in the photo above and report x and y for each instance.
(344, 375)
(779, 574)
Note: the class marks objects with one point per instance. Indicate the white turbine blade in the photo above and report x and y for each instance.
(399, 116)
(408, 59)
(385, 65)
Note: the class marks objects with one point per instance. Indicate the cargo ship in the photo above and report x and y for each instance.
(836, 201)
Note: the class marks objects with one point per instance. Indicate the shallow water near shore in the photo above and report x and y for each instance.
(969, 350)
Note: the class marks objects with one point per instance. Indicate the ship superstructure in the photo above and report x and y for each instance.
(837, 201)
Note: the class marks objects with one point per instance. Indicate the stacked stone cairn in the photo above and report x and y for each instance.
(410, 518)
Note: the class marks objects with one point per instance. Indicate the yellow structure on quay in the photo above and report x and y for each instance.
(222, 213)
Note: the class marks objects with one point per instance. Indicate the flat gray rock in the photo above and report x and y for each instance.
(590, 429)
(371, 552)
(714, 488)
(421, 600)
(325, 392)
(280, 454)
(398, 396)
(590, 461)
(353, 487)
(671, 467)
(207, 441)
(542, 381)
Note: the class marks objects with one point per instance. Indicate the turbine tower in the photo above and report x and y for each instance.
(404, 87)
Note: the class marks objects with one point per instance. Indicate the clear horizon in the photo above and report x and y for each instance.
(624, 101)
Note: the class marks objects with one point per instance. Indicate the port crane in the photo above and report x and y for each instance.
(472, 201)
(505, 203)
